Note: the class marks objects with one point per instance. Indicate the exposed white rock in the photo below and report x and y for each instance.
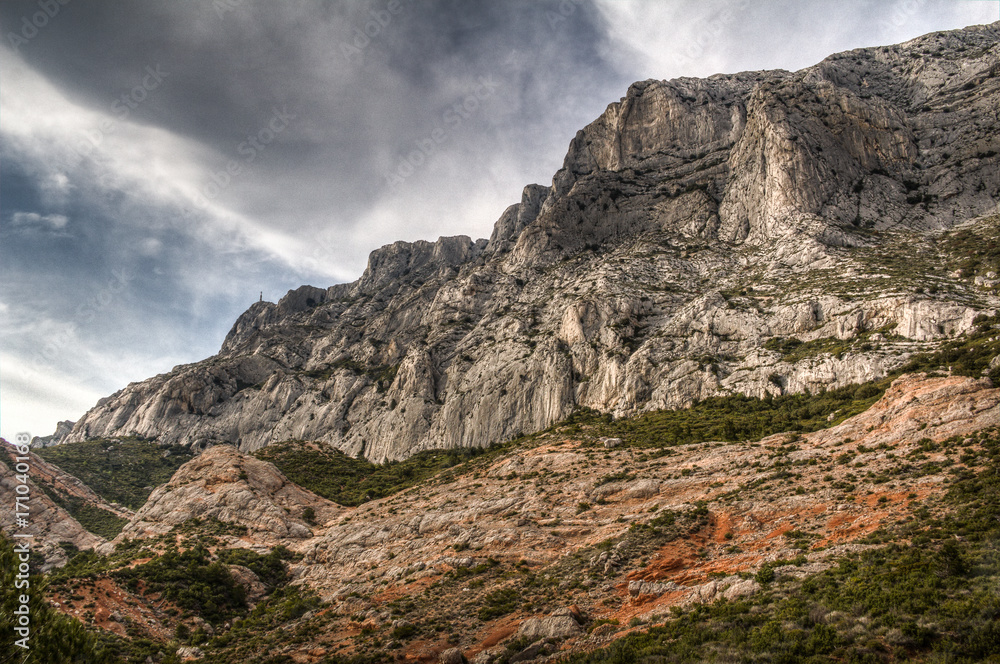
(691, 222)
(226, 485)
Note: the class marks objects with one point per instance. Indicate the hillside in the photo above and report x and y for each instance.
(559, 545)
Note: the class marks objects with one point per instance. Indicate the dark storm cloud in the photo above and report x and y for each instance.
(362, 80)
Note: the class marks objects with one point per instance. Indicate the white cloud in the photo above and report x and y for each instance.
(707, 37)
(53, 221)
(73, 146)
(51, 372)
(34, 399)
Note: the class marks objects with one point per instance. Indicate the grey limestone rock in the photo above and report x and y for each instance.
(692, 222)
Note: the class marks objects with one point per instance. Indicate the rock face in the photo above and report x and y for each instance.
(226, 485)
(48, 523)
(63, 429)
(690, 223)
(550, 627)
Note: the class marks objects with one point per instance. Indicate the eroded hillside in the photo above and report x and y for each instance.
(594, 534)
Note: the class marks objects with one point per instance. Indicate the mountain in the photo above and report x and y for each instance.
(756, 233)
(727, 390)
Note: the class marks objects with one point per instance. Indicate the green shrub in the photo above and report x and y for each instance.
(499, 603)
(191, 580)
(348, 481)
(54, 638)
(120, 471)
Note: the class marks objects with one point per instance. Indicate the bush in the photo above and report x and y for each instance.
(120, 471)
(190, 580)
(54, 638)
(347, 481)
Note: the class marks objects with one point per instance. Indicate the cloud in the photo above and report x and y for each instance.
(33, 401)
(52, 221)
(706, 37)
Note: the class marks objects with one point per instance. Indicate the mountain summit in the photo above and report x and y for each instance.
(756, 233)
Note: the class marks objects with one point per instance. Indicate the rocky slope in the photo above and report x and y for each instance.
(50, 492)
(224, 485)
(692, 222)
(564, 542)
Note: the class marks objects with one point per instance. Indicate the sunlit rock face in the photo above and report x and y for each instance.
(691, 222)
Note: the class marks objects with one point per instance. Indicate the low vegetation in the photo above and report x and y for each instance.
(733, 418)
(54, 638)
(95, 519)
(929, 595)
(348, 481)
(968, 355)
(122, 471)
(975, 251)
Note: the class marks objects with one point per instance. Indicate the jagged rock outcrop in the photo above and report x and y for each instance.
(226, 485)
(63, 429)
(690, 223)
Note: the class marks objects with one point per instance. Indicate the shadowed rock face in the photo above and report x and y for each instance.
(691, 222)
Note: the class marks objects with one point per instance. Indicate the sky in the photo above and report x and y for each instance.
(162, 163)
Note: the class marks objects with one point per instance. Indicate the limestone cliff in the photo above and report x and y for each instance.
(692, 222)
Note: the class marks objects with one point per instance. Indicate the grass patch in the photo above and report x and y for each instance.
(348, 481)
(123, 471)
(94, 519)
(737, 417)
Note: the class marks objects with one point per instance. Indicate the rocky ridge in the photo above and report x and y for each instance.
(690, 224)
(580, 533)
(224, 485)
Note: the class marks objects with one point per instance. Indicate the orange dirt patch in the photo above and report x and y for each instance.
(395, 592)
(495, 635)
(721, 523)
(424, 651)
